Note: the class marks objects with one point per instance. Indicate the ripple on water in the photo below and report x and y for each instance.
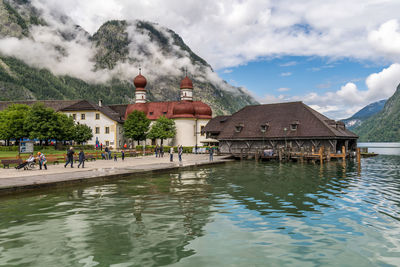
(241, 213)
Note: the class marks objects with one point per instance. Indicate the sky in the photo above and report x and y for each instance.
(335, 55)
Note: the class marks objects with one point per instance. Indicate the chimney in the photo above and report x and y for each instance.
(100, 103)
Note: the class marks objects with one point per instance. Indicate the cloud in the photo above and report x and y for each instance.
(283, 89)
(288, 64)
(348, 99)
(227, 71)
(231, 33)
(387, 38)
(285, 74)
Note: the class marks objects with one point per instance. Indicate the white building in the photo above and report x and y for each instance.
(106, 124)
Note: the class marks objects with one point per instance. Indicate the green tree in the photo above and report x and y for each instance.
(162, 129)
(12, 121)
(66, 127)
(136, 126)
(83, 133)
(42, 123)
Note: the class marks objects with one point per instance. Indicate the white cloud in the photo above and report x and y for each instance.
(288, 64)
(228, 71)
(283, 89)
(230, 33)
(387, 38)
(285, 74)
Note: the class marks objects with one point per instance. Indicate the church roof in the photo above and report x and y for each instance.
(172, 109)
(299, 120)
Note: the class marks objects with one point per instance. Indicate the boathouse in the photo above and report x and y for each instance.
(292, 126)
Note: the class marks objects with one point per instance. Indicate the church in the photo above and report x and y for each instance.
(190, 116)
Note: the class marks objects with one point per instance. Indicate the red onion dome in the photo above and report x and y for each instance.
(203, 110)
(140, 82)
(138, 106)
(186, 83)
(183, 109)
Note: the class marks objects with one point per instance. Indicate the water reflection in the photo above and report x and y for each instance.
(243, 213)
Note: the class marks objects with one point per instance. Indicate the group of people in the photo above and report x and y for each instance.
(159, 151)
(41, 159)
(70, 158)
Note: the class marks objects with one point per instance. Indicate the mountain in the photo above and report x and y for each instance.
(46, 56)
(385, 125)
(359, 117)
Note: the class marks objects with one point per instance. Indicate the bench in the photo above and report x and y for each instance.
(53, 160)
(7, 162)
(90, 157)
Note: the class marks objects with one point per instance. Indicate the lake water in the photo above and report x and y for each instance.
(237, 214)
(382, 148)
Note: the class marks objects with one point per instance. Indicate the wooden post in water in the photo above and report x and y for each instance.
(321, 155)
(328, 154)
(344, 152)
(358, 156)
(241, 154)
(302, 154)
(280, 154)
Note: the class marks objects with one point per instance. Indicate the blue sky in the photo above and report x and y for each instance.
(299, 75)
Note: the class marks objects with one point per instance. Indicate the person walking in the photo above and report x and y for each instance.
(81, 159)
(115, 156)
(106, 152)
(109, 154)
(195, 149)
(42, 161)
(70, 157)
(211, 152)
(171, 154)
(101, 146)
(122, 155)
(157, 150)
(180, 151)
(162, 151)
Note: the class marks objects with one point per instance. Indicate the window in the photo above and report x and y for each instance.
(74, 116)
(107, 130)
(97, 130)
(151, 112)
(293, 125)
(164, 113)
(107, 143)
(264, 127)
(83, 116)
(97, 116)
(201, 130)
(239, 127)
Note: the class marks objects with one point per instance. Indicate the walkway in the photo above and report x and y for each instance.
(12, 180)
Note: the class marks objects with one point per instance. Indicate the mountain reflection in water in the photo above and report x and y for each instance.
(241, 213)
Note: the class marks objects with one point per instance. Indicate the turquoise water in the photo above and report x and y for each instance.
(237, 214)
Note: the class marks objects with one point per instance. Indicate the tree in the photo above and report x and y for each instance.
(12, 121)
(66, 127)
(83, 133)
(136, 126)
(162, 129)
(42, 123)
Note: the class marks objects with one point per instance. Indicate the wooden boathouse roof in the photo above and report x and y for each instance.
(299, 120)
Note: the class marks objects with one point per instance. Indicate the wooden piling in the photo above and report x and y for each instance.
(328, 154)
(344, 152)
(321, 155)
(358, 156)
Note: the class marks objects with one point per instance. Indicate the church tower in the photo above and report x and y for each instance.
(140, 84)
(186, 89)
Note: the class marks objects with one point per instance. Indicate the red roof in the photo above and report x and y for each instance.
(186, 83)
(140, 82)
(172, 109)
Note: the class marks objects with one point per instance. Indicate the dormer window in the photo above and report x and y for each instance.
(239, 127)
(151, 112)
(264, 127)
(293, 125)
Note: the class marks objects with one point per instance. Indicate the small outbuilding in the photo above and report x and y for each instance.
(293, 126)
